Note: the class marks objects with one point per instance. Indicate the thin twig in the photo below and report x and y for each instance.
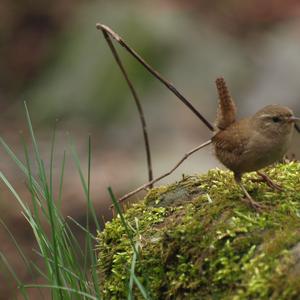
(146, 185)
(169, 85)
(136, 99)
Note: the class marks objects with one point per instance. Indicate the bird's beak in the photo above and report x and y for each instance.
(293, 119)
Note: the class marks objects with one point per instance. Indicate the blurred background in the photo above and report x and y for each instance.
(52, 57)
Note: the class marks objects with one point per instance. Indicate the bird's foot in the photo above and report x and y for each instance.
(250, 201)
(254, 204)
(265, 178)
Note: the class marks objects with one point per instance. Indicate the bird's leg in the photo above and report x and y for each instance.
(265, 178)
(247, 199)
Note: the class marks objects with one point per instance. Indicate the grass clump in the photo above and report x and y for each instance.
(68, 271)
(197, 240)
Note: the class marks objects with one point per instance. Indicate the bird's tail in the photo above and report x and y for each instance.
(226, 113)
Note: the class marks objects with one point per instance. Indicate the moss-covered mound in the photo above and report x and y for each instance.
(199, 241)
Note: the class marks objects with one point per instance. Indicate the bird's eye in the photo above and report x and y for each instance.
(276, 119)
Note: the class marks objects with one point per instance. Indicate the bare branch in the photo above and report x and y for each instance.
(146, 185)
(169, 85)
(105, 32)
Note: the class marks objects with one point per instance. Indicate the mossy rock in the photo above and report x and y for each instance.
(198, 240)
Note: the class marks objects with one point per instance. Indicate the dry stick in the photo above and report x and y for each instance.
(137, 102)
(146, 185)
(109, 32)
(169, 85)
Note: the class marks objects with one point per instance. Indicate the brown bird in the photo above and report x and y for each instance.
(252, 143)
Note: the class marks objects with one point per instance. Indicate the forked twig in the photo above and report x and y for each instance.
(146, 185)
(136, 99)
(108, 34)
(169, 85)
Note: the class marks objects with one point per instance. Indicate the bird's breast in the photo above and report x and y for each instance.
(249, 153)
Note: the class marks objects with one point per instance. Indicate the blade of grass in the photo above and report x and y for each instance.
(51, 162)
(20, 251)
(87, 239)
(29, 264)
(82, 228)
(131, 239)
(141, 288)
(61, 180)
(42, 174)
(90, 251)
(132, 272)
(27, 286)
(119, 212)
(34, 199)
(21, 166)
(84, 185)
(70, 239)
(60, 265)
(54, 231)
(16, 278)
(26, 212)
(48, 195)
(13, 191)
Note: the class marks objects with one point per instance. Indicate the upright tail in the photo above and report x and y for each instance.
(226, 112)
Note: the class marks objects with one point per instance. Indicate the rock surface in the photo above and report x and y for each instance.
(197, 240)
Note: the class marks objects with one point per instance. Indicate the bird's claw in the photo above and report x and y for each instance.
(266, 179)
(255, 205)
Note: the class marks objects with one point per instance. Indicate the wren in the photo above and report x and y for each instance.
(252, 143)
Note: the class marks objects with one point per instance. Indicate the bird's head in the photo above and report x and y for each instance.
(275, 121)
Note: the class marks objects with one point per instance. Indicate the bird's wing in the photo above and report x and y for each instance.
(234, 141)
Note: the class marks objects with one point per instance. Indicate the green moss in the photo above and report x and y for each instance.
(199, 241)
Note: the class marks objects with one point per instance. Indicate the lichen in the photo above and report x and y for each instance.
(198, 240)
